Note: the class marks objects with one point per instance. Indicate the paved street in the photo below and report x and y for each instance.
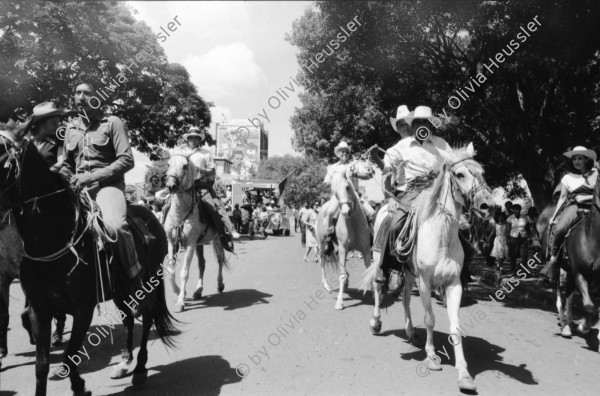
(275, 324)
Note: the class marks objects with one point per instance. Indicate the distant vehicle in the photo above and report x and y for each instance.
(278, 223)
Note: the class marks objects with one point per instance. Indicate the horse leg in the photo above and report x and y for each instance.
(5, 282)
(406, 296)
(339, 304)
(453, 298)
(433, 360)
(220, 254)
(184, 276)
(121, 369)
(201, 267)
(81, 324)
(588, 305)
(324, 281)
(140, 373)
(57, 336)
(41, 326)
(564, 301)
(172, 265)
(375, 322)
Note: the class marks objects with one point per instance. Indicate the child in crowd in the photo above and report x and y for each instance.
(500, 249)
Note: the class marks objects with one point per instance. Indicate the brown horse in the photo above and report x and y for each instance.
(581, 260)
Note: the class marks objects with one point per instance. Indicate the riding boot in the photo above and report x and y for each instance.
(549, 271)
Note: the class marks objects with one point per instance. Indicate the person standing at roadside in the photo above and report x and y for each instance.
(303, 217)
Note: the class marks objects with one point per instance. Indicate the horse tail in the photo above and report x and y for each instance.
(368, 278)
(219, 252)
(164, 322)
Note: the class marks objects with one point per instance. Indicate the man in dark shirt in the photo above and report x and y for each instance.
(97, 156)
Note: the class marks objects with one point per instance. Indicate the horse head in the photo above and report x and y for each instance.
(468, 185)
(344, 192)
(180, 173)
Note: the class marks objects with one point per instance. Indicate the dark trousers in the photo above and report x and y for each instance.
(565, 218)
(303, 229)
(517, 247)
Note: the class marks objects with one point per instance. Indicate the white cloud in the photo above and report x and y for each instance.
(223, 71)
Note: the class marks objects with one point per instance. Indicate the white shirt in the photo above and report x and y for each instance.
(572, 181)
(517, 226)
(202, 159)
(407, 159)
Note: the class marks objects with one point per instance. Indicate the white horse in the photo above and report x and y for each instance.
(196, 231)
(352, 228)
(437, 255)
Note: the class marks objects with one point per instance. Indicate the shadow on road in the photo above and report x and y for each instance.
(204, 375)
(99, 355)
(480, 354)
(231, 300)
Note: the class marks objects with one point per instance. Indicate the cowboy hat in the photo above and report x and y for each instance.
(47, 109)
(401, 114)
(423, 113)
(342, 146)
(194, 131)
(580, 150)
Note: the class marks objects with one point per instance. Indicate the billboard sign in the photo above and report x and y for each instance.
(241, 145)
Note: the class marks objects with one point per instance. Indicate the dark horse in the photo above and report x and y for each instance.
(64, 272)
(582, 259)
(10, 263)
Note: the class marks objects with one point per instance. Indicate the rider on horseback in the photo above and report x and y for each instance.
(413, 164)
(97, 156)
(576, 193)
(44, 125)
(342, 151)
(203, 160)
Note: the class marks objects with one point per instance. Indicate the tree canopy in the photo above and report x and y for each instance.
(46, 48)
(522, 115)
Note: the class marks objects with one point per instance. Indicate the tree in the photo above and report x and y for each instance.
(277, 167)
(307, 186)
(521, 115)
(47, 47)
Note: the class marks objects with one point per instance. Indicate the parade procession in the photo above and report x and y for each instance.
(394, 197)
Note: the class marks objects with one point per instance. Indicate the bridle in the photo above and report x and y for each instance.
(467, 196)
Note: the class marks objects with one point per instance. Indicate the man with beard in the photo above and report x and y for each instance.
(97, 156)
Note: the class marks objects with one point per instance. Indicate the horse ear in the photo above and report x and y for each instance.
(471, 149)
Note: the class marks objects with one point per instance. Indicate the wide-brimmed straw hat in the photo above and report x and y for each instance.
(580, 150)
(47, 109)
(402, 113)
(194, 131)
(342, 146)
(423, 113)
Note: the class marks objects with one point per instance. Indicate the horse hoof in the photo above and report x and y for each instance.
(139, 378)
(467, 384)
(433, 363)
(120, 371)
(339, 306)
(375, 326)
(179, 307)
(582, 329)
(566, 332)
(221, 287)
(197, 294)
(327, 287)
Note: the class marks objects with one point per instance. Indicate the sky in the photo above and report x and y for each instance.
(236, 55)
